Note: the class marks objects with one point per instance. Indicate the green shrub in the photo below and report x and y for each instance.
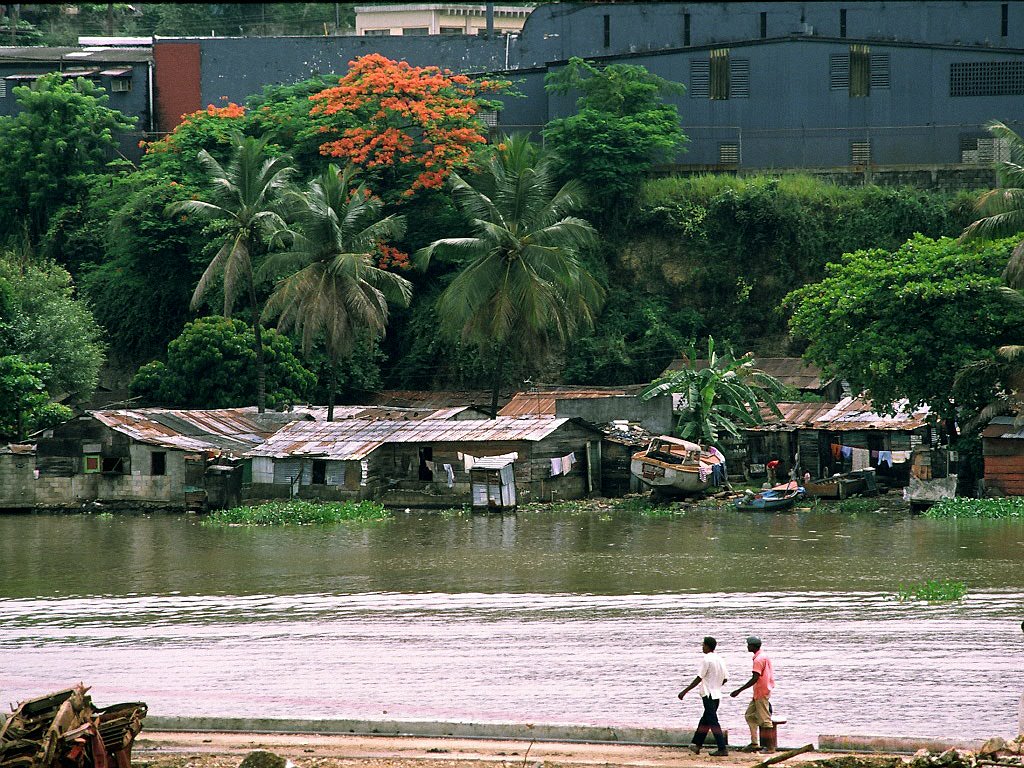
(297, 512)
(983, 509)
(932, 591)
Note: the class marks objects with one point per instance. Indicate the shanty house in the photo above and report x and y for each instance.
(837, 437)
(150, 455)
(426, 462)
(17, 476)
(1002, 445)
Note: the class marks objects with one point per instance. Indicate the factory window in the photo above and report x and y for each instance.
(982, 149)
(686, 29)
(729, 154)
(842, 22)
(158, 463)
(719, 66)
(739, 79)
(1004, 21)
(986, 78)
(764, 24)
(860, 153)
(452, 30)
(377, 32)
(860, 70)
(120, 85)
(488, 117)
(3, 89)
(407, 31)
(607, 30)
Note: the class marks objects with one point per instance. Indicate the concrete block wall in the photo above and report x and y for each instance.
(17, 481)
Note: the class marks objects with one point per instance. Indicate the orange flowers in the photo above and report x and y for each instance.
(407, 116)
(392, 258)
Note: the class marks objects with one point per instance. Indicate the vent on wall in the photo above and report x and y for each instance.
(839, 70)
(986, 78)
(729, 154)
(3, 89)
(734, 82)
(983, 150)
(860, 153)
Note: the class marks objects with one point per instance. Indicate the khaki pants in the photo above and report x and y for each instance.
(759, 713)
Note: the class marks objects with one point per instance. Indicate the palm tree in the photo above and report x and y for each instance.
(720, 397)
(332, 288)
(522, 284)
(1001, 210)
(244, 198)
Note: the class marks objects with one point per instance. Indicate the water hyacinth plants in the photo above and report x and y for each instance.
(932, 591)
(298, 512)
(976, 509)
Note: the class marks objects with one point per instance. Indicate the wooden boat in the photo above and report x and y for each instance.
(775, 499)
(669, 465)
(842, 486)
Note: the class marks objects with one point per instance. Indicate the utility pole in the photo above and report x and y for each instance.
(110, 19)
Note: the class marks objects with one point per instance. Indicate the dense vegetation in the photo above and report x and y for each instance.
(298, 512)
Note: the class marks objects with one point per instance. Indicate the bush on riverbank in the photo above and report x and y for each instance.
(297, 512)
(978, 509)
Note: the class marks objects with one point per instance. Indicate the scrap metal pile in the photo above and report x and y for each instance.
(65, 730)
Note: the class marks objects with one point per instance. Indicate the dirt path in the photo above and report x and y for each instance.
(226, 750)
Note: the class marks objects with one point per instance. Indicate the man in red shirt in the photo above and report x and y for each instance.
(762, 678)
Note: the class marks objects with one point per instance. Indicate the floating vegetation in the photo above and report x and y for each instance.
(298, 512)
(977, 509)
(932, 591)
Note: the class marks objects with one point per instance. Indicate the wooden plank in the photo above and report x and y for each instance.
(784, 756)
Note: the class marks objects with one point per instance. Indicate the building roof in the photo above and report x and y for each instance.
(39, 54)
(848, 415)
(541, 401)
(792, 371)
(355, 439)
(1004, 427)
(230, 431)
(423, 399)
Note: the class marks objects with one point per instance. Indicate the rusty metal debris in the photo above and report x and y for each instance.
(65, 730)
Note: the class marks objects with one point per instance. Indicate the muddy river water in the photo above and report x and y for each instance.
(570, 617)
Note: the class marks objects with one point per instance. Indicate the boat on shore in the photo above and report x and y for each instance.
(842, 486)
(670, 466)
(776, 499)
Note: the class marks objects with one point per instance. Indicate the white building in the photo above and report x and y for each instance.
(437, 19)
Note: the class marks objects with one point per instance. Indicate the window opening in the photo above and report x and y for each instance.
(986, 78)
(686, 29)
(860, 70)
(764, 24)
(607, 30)
(158, 463)
(90, 463)
(719, 65)
(426, 455)
(319, 472)
(1004, 22)
(842, 22)
(113, 464)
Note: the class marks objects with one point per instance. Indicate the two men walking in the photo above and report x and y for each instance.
(712, 674)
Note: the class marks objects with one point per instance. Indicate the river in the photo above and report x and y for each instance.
(547, 617)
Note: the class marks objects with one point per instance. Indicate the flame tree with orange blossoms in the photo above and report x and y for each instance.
(410, 126)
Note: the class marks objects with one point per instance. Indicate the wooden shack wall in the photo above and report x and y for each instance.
(1004, 465)
(616, 477)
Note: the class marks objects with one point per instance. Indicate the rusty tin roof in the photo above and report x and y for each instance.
(541, 402)
(231, 431)
(792, 371)
(848, 415)
(358, 438)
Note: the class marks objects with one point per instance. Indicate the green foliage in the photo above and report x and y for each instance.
(297, 512)
(24, 405)
(895, 324)
(212, 364)
(621, 129)
(719, 396)
(522, 287)
(44, 322)
(138, 267)
(731, 248)
(984, 509)
(62, 133)
(932, 591)
(280, 113)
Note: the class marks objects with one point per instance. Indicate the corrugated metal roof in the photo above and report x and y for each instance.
(792, 371)
(848, 415)
(1004, 427)
(41, 53)
(411, 398)
(357, 438)
(541, 402)
(232, 431)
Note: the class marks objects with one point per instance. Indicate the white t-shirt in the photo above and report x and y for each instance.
(712, 674)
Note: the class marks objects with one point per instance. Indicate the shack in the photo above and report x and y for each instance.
(823, 439)
(150, 455)
(425, 462)
(1002, 446)
(17, 476)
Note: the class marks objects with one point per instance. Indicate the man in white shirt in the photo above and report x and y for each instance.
(711, 676)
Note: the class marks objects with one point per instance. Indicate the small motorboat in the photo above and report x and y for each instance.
(843, 486)
(669, 465)
(776, 499)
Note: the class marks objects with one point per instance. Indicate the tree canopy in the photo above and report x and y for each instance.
(899, 325)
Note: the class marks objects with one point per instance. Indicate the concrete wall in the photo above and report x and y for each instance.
(137, 484)
(654, 415)
(17, 480)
